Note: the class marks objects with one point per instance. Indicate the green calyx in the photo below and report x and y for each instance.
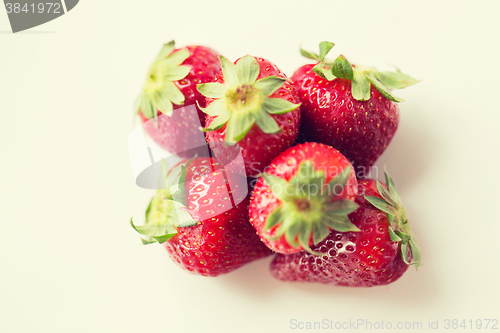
(243, 100)
(360, 76)
(310, 207)
(167, 210)
(399, 227)
(159, 91)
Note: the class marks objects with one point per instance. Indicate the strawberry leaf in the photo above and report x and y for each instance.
(266, 123)
(342, 68)
(309, 55)
(180, 193)
(162, 103)
(360, 86)
(181, 217)
(292, 232)
(337, 185)
(341, 207)
(305, 236)
(394, 237)
(148, 241)
(238, 126)
(324, 49)
(287, 222)
(166, 50)
(274, 218)
(167, 209)
(154, 233)
(219, 121)
(404, 253)
(159, 91)
(175, 73)
(318, 69)
(415, 253)
(148, 210)
(229, 71)
(383, 89)
(247, 70)
(162, 239)
(392, 220)
(396, 80)
(141, 229)
(215, 108)
(381, 204)
(212, 90)
(278, 186)
(392, 188)
(341, 224)
(306, 174)
(191, 223)
(320, 232)
(176, 59)
(386, 195)
(404, 237)
(278, 106)
(341, 178)
(327, 72)
(269, 85)
(173, 93)
(145, 106)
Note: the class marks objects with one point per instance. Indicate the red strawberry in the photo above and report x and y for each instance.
(376, 255)
(203, 219)
(251, 107)
(169, 97)
(306, 191)
(349, 107)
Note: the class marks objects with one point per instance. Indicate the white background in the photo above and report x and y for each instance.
(69, 261)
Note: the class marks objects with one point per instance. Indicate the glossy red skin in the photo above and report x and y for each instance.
(263, 201)
(223, 240)
(361, 130)
(355, 259)
(258, 148)
(174, 133)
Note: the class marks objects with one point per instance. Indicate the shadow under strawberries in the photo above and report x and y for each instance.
(411, 153)
(253, 280)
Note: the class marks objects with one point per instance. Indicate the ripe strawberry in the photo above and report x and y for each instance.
(376, 255)
(306, 191)
(203, 219)
(169, 97)
(349, 107)
(251, 107)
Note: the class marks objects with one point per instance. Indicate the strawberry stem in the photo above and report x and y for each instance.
(243, 101)
(310, 207)
(399, 230)
(362, 77)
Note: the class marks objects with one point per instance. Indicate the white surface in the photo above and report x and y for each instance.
(69, 261)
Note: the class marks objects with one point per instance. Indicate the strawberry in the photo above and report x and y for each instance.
(252, 108)
(203, 219)
(306, 191)
(349, 107)
(376, 255)
(169, 97)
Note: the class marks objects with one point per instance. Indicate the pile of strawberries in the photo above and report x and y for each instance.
(287, 171)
